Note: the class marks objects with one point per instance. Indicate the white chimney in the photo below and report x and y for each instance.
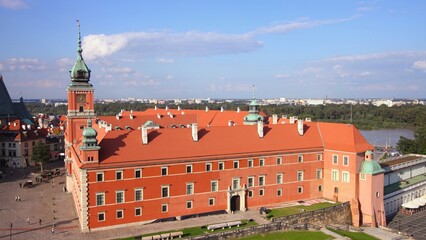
(195, 132)
(284, 116)
(158, 115)
(178, 108)
(144, 135)
(291, 120)
(260, 129)
(221, 109)
(117, 116)
(238, 110)
(155, 107)
(131, 116)
(308, 120)
(300, 127)
(274, 119)
(207, 109)
(167, 108)
(230, 123)
(171, 115)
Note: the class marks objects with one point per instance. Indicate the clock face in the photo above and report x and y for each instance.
(81, 98)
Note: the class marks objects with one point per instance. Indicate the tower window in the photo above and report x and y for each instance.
(81, 109)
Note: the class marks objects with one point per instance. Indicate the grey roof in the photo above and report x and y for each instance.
(6, 105)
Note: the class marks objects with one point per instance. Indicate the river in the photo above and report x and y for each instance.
(382, 137)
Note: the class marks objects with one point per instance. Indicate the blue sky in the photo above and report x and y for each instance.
(217, 49)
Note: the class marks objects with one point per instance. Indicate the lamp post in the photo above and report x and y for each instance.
(10, 233)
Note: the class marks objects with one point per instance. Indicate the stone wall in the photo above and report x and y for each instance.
(314, 220)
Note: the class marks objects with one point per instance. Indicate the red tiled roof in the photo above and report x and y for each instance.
(214, 142)
(343, 137)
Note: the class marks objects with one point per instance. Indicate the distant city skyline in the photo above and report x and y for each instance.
(217, 49)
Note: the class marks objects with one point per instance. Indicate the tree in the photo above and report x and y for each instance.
(41, 154)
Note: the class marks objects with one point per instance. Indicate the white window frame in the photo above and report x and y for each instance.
(141, 194)
(191, 204)
(162, 207)
(188, 167)
(140, 209)
(250, 193)
(236, 164)
(262, 180)
(300, 158)
(168, 191)
(300, 176)
(237, 179)
(166, 171)
(279, 160)
(279, 192)
(261, 162)
(221, 166)
(214, 186)
(250, 163)
(346, 176)
(121, 175)
(319, 173)
(140, 173)
(190, 188)
(117, 193)
(345, 160)
(104, 216)
(280, 178)
(319, 157)
(300, 189)
(261, 192)
(211, 201)
(334, 159)
(122, 213)
(208, 167)
(252, 181)
(334, 175)
(100, 174)
(103, 199)
(362, 176)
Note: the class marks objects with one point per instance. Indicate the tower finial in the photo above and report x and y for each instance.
(79, 38)
(254, 93)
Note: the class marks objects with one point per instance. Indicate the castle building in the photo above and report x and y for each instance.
(142, 167)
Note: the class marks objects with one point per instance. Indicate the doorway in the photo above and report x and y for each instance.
(235, 203)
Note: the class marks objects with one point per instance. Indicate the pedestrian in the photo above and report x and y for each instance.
(20, 185)
(39, 222)
(19, 198)
(53, 230)
(28, 221)
(16, 199)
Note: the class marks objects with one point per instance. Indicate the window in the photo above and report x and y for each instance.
(279, 178)
(261, 180)
(100, 199)
(119, 214)
(164, 171)
(164, 207)
(250, 181)
(101, 216)
(299, 176)
(279, 192)
(261, 192)
(319, 157)
(319, 188)
(221, 166)
(250, 193)
(336, 190)
(119, 196)
(335, 159)
(362, 176)
(119, 175)
(138, 194)
(250, 163)
(235, 183)
(211, 201)
(214, 186)
(300, 158)
(188, 168)
(138, 173)
(138, 211)
(81, 109)
(261, 162)
(189, 188)
(99, 177)
(236, 164)
(300, 189)
(189, 204)
(208, 167)
(279, 160)
(335, 175)
(345, 160)
(164, 191)
(319, 173)
(377, 194)
(345, 176)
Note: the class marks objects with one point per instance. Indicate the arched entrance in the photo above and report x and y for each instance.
(235, 203)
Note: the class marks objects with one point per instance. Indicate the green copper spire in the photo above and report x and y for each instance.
(80, 73)
(89, 137)
(253, 117)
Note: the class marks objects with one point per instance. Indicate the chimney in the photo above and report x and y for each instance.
(171, 115)
(155, 107)
(131, 116)
(291, 120)
(274, 119)
(221, 109)
(308, 120)
(167, 108)
(183, 113)
(178, 108)
(230, 123)
(284, 116)
(300, 127)
(207, 109)
(238, 110)
(195, 132)
(158, 115)
(117, 116)
(260, 129)
(144, 135)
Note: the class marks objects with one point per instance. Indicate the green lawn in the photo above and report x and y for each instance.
(195, 231)
(291, 235)
(280, 212)
(354, 235)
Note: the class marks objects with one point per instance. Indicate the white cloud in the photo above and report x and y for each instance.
(165, 60)
(229, 87)
(421, 64)
(42, 83)
(65, 64)
(282, 75)
(169, 77)
(119, 70)
(23, 64)
(13, 4)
